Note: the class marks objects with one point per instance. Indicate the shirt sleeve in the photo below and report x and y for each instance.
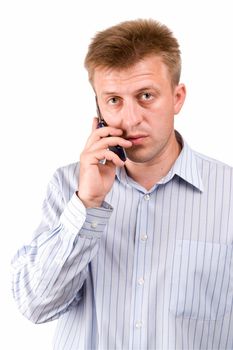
(48, 274)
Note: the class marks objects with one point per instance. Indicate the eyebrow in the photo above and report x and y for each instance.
(107, 93)
(144, 88)
(148, 87)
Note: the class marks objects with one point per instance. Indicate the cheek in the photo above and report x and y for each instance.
(164, 106)
(112, 120)
(162, 116)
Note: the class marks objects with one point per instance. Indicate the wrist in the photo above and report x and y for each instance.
(89, 203)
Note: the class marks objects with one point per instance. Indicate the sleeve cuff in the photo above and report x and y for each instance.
(88, 222)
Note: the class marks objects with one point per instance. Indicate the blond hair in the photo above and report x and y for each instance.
(123, 45)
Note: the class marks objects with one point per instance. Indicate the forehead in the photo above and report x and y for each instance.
(147, 71)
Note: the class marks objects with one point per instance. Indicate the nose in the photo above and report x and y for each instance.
(131, 115)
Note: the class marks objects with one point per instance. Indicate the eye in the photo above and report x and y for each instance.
(113, 100)
(146, 96)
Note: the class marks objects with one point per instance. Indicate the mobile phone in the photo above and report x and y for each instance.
(116, 149)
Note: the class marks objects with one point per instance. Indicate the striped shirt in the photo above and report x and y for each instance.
(147, 270)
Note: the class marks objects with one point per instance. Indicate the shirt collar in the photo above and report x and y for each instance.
(185, 166)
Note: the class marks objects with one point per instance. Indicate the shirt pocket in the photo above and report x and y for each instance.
(202, 285)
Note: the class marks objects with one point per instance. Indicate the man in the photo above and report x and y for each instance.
(134, 254)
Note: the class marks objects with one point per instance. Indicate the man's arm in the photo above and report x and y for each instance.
(48, 274)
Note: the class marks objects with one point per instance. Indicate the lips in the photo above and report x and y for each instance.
(136, 139)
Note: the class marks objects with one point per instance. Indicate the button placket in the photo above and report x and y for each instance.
(141, 241)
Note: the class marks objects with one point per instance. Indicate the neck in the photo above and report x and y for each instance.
(149, 173)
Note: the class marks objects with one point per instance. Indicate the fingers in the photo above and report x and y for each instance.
(97, 156)
(99, 138)
(108, 142)
(98, 144)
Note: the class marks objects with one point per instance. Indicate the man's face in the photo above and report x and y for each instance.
(141, 101)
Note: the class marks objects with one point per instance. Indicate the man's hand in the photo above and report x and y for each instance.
(96, 179)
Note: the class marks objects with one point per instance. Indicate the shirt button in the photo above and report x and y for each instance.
(147, 197)
(141, 281)
(138, 324)
(94, 224)
(144, 237)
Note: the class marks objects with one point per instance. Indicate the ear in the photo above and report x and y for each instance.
(179, 97)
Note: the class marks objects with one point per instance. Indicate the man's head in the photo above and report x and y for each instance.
(134, 68)
(123, 45)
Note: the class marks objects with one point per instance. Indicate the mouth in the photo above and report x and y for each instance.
(136, 139)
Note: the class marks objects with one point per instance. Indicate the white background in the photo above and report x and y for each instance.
(47, 105)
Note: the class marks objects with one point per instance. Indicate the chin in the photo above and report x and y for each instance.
(139, 157)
